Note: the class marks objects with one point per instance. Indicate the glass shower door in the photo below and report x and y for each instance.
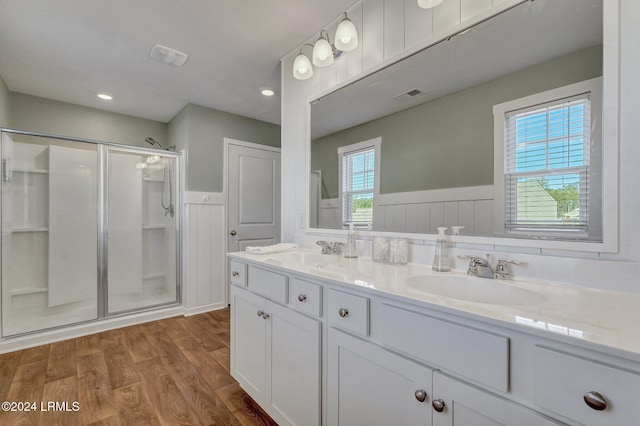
(49, 233)
(141, 229)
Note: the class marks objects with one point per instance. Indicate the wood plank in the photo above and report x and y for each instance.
(223, 356)
(134, 406)
(173, 328)
(62, 360)
(121, 368)
(8, 366)
(95, 395)
(109, 421)
(245, 409)
(210, 368)
(28, 385)
(139, 347)
(86, 345)
(60, 405)
(165, 397)
(39, 353)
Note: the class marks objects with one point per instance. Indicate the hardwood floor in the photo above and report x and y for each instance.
(168, 372)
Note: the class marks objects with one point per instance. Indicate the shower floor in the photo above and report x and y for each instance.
(32, 319)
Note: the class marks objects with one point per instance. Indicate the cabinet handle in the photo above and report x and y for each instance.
(265, 315)
(595, 400)
(302, 297)
(260, 313)
(343, 312)
(421, 395)
(438, 405)
(235, 273)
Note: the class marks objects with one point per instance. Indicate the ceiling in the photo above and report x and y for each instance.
(69, 50)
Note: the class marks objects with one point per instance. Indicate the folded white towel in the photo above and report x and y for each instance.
(276, 248)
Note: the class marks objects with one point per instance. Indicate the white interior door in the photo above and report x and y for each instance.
(253, 188)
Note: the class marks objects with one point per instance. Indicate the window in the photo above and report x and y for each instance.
(359, 180)
(550, 173)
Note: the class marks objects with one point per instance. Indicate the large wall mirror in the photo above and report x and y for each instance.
(423, 131)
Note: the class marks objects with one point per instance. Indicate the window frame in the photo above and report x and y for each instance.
(594, 170)
(374, 143)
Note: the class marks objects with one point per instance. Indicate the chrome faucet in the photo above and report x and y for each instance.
(330, 248)
(479, 267)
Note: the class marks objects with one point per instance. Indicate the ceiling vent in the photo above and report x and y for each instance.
(410, 94)
(168, 55)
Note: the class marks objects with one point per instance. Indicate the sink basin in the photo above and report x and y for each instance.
(473, 289)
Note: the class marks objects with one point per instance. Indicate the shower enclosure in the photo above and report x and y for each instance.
(89, 230)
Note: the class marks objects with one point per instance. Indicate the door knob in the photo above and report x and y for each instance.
(343, 312)
(595, 400)
(438, 405)
(233, 232)
(421, 395)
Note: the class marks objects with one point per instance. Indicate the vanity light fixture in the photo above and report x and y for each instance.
(324, 53)
(105, 96)
(428, 4)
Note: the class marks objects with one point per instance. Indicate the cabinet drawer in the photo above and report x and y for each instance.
(562, 380)
(348, 311)
(305, 297)
(477, 355)
(269, 284)
(238, 273)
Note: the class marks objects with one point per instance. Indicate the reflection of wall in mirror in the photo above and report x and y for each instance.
(445, 143)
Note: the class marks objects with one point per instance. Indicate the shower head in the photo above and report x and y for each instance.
(151, 141)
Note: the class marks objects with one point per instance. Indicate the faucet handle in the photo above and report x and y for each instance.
(473, 263)
(502, 272)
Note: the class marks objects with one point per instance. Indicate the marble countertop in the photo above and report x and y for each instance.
(592, 316)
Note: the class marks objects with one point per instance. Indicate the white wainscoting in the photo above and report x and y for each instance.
(204, 252)
(424, 211)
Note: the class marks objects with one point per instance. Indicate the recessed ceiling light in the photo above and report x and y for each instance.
(105, 96)
(267, 92)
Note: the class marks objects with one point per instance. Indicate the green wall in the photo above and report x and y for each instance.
(5, 104)
(202, 132)
(448, 142)
(61, 118)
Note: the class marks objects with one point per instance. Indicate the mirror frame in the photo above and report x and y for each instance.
(610, 150)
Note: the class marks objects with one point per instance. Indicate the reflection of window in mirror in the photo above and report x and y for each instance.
(552, 162)
(359, 166)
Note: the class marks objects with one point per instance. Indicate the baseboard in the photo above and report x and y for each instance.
(205, 308)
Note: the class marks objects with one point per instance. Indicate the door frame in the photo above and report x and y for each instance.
(225, 189)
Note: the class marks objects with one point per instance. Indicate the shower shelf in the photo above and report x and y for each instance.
(154, 275)
(23, 291)
(145, 227)
(29, 170)
(30, 229)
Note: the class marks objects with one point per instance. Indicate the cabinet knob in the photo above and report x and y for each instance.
(343, 312)
(421, 395)
(302, 297)
(265, 315)
(235, 273)
(260, 313)
(595, 400)
(438, 405)
(233, 232)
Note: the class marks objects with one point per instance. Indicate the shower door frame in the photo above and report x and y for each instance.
(102, 233)
(103, 191)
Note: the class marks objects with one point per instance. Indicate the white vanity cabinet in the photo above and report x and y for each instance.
(316, 351)
(276, 356)
(368, 385)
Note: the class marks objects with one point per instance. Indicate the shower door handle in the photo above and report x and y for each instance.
(233, 232)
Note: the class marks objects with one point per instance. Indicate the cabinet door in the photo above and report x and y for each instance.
(293, 366)
(368, 385)
(248, 343)
(466, 405)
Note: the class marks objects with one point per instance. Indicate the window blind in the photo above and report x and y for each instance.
(358, 185)
(547, 166)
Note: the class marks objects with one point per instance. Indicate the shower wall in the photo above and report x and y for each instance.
(84, 231)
